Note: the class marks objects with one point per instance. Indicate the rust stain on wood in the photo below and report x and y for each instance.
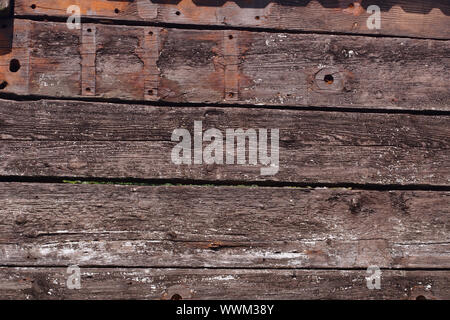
(231, 68)
(212, 68)
(88, 54)
(150, 55)
(234, 242)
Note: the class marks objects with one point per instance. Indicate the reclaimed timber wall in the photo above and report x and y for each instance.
(87, 179)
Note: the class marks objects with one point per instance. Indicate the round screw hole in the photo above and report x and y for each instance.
(178, 13)
(14, 65)
(116, 11)
(150, 92)
(230, 37)
(176, 296)
(3, 85)
(257, 18)
(421, 298)
(329, 79)
(88, 89)
(150, 33)
(89, 30)
(33, 6)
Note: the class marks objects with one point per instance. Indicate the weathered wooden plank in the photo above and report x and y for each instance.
(80, 139)
(183, 226)
(116, 283)
(259, 68)
(417, 18)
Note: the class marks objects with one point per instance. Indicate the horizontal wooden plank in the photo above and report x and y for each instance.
(187, 226)
(417, 18)
(230, 67)
(81, 139)
(112, 283)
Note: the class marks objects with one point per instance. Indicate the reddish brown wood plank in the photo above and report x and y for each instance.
(116, 283)
(80, 139)
(417, 18)
(260, 68)
(113, 225)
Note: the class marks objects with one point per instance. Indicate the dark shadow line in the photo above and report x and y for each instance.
(34, 98)
(221, 183)
(118, 266)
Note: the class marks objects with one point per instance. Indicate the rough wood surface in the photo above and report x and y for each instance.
(143, 241)
(115, 283)
(81, 139)
(200, 66)
(175, 226)
(416, 18)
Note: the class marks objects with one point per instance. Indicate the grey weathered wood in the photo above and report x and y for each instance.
(135, 283)
(199, 66)
(113, 225)
(79, 139)
(417, 18)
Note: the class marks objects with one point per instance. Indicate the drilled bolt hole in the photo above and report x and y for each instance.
(230, 37)
(14, 65)
(33, 6)
(178, 13)
(150, 92)
(329, 79)
(116, 11)
(88, 89)
(3, 85)
(176, 296)
(150, 33)
(89, 30)
(257, 18)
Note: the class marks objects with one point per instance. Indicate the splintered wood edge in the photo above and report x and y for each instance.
(399, 20)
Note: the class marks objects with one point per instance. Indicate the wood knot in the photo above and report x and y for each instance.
(177, 292)
(21, 220)
(355, 206)
(329, 80)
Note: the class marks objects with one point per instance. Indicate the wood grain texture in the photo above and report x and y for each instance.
(81, 139)
(135, 283)
(415, 18)
(234, 227)
(260, 68)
